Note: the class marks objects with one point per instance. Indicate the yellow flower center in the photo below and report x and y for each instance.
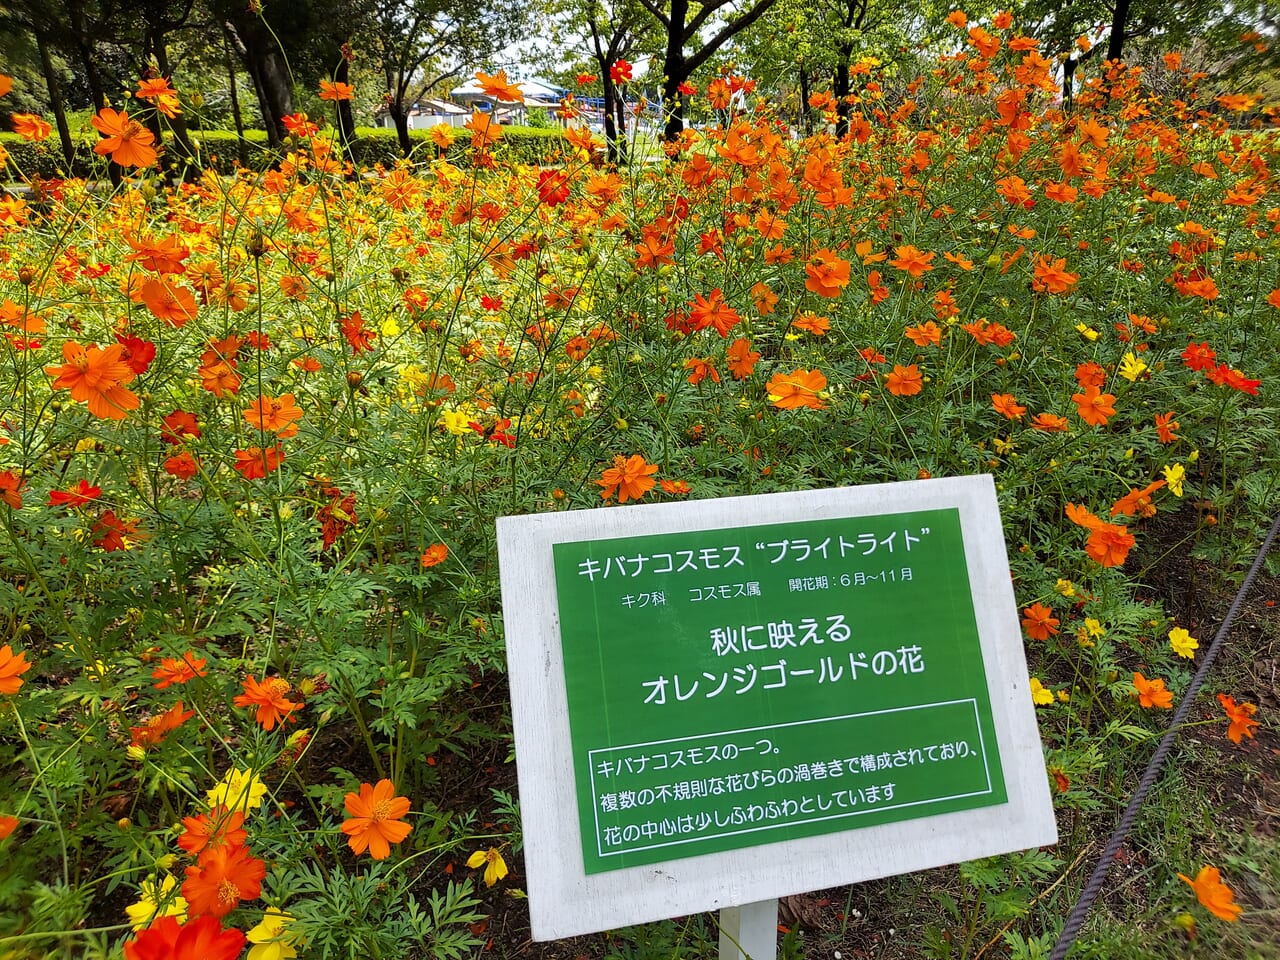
(381, 811)
(278, 687)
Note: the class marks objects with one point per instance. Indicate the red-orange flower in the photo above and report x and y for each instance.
(127, 142)
(278, 415)
(77, 496)
(1052, 275)
(8, 824)
(1241, 717)
(199, 939)
(110, 533)
(173, 670)
(375, 819)
(434, 555)
(171, 303)
(1007, 405)
(904, 381)
(1151, 693)
(1039, 621)
(223, 876)
(499, 88)
(741, 359)
(1094, 407)
(1109, 543)
(269, 697)
(96, 376)
(1137, 502)
(799, 388)
(335, 90)
(30, 126)
(927, 334)
(165, 96)
(712, 311)
(212, 829)
(154, 730)
(256, 462)
(12, 667)
(631, 477)
(912, 261)
(1215, 895)
(11, 486)
(1050, 423)
(826, 274)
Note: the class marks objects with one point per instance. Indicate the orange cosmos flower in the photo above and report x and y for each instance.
(278, 415)
(173, 304)
(1052, 275)
(904, 381)
(630, 476)
(12, 666)
(1094, 407)
(212, 829)
(484, 130)
(335, 90)
(127, 142)
(434, 555)
(1165, 427)
(1007, 406)
(1151, 693)
(712, 311)
(1109, 543)
(29, 126)
(1241, 717)
(799, 388)
(200, 939)
(223, 876)
(913, 261)
(153, 732)
(741, 359)
(165, 96)
(700, 368)
(6, 84)
(1050, 423)
(173, 670)
(812, 323)
(1039, 622)
(496, 86)
(1215, 895)
(110, 533)
(1137, 501)
(928, 334)
(78, 496)
(8, 824)
(269, 698)
(11, 486)
(96, 376)
(256, 462)
(375, 819)
(826, 274)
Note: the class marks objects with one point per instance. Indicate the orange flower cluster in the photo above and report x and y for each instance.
(1109, 543)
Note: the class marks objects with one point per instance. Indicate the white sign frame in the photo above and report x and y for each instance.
(564, 901)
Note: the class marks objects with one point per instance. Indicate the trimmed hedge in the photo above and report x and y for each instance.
(220, 150)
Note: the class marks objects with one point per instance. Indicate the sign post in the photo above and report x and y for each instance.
(720, 703)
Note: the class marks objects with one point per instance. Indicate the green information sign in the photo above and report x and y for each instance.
(741, 686)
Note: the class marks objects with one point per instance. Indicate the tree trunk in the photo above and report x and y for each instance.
(242, 148)
(804, 100)
(1119, 20)
(346, 120)
(266, 67)
(675, 72)
(616, 149)
(55, 99)
(840, 88)
(399, 114)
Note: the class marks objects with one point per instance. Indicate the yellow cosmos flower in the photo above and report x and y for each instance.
(270, 939)
(495, 868)
(1183, 643)
(1131, 368)
(1040, 696)
(157, 899)
(1173, 477)
(238, 790)
(455, 421)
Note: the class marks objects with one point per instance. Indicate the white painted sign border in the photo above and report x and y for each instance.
(564, 901)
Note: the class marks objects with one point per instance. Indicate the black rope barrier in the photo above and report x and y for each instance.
(1090, 892)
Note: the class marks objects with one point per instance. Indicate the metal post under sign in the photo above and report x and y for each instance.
(749, 932)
